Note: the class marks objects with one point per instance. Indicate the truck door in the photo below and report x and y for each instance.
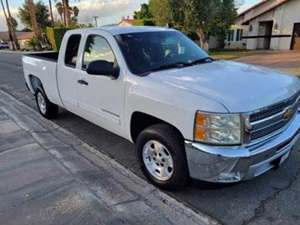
(67, 77)
(101, 98)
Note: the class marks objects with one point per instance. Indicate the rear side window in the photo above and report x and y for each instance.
(72, 50)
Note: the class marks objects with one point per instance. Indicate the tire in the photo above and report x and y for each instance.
(158, 168)
(45, 107)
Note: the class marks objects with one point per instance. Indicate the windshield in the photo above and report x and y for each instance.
(152, 51)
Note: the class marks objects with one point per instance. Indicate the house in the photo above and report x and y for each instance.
(235, 36)
(126, 22)
(22, 38)
(270, 24)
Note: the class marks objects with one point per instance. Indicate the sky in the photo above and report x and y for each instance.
(108, 11)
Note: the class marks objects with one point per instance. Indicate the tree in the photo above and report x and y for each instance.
(51, 12)
(66, 9)
(60, 10)
(34, 23)
(161, 11)
(143, 13)
(225, 16)
(41, 14)
(8, 24)
(11, 25)
(68, 15)
(75, 13)
(197, 18)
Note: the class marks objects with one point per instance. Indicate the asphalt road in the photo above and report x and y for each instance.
(271, 198)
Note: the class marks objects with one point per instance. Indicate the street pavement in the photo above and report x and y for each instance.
(49, 176)
(271, 198)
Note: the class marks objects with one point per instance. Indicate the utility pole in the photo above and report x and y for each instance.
(96, 20)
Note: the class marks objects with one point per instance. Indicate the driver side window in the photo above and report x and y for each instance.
(97, 48)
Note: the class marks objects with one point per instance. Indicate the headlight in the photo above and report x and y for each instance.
(219, 129)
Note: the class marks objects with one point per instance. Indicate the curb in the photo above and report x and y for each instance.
(170, 203)
(23, 52)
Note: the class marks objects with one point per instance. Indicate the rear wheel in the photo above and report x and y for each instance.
(45, 107)
(161, 153)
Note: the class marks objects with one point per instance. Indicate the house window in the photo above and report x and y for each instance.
(230, 36)
(239, 34)
(250, 28)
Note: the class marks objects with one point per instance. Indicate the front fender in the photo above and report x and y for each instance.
(174, 106)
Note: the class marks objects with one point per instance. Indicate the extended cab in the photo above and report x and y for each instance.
(189, 115)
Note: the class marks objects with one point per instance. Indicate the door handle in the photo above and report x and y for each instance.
(83, 82)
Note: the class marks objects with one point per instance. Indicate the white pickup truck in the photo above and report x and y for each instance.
(189, 115)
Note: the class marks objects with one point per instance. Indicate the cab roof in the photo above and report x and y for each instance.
(116, 30)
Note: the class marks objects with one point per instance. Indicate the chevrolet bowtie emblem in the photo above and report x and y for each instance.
(288, 113)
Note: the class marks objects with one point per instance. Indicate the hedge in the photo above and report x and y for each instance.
(143, 22)
(55, 36)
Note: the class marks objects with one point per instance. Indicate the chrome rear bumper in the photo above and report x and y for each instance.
(227, 164)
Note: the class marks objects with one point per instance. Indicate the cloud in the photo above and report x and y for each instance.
(14, 12)
(108, 11)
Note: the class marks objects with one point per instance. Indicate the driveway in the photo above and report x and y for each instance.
(287, 61)
(271, 198)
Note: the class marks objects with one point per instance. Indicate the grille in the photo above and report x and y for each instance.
(272, 119)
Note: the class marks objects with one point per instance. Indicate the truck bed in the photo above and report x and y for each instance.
(42, 66)
(52, 56)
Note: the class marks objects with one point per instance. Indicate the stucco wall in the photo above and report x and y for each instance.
(241, 44)
(284, 16)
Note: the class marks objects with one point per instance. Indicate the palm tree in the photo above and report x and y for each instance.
(51, 12)
(75, 11)
(11, 27)
(60, 10)
(35, 28)
(67, 16)
(8, 25)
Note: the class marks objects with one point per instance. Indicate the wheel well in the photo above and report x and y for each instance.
(140, 121)
(35, 82)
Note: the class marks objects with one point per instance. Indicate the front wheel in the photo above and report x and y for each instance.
(45, 107)
(161, 153)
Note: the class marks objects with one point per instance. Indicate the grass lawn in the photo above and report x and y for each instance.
(231, 54)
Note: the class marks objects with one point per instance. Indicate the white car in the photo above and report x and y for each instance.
(189, 115)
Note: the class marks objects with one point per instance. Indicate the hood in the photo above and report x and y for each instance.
(239, 87)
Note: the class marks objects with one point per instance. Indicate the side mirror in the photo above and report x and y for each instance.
(103, 68)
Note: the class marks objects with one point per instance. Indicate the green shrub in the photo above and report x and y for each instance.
(143, 22)
(55, 36)
(33, 43)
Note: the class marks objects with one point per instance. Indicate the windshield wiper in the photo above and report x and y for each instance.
(178, 65)
(202, 60)
(166, 67)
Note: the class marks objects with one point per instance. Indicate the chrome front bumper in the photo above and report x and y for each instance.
(232, 164)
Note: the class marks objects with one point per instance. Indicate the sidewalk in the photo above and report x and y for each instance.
(49, 176)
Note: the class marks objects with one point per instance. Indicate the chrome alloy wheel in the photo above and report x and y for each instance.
(41, 103)
(158, 160)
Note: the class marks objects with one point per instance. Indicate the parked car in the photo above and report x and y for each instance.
(4, 46)
(189, 115)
